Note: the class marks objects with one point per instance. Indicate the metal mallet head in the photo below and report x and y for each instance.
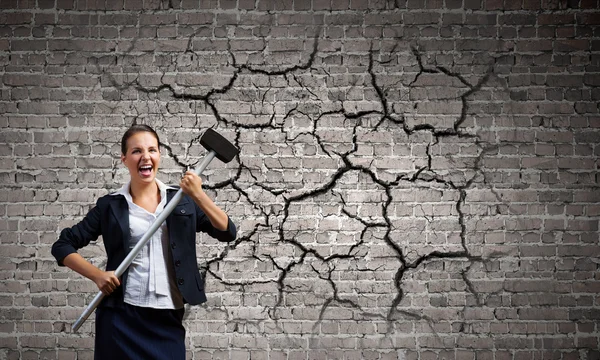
(213, 141)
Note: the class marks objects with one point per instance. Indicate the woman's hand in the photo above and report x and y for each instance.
(191, 184)
(107, 282)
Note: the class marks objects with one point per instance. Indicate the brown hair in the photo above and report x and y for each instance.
(134, 129)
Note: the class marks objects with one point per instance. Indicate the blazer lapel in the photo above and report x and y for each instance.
(120, 211)
(170, 194)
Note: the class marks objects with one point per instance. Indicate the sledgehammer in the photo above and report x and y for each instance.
(217, 146)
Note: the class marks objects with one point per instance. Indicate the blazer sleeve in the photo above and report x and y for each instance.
(203, 224)
(74, 238)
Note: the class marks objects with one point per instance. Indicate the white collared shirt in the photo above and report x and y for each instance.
(150, 278)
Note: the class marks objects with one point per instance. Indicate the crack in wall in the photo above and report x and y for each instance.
(424, 174)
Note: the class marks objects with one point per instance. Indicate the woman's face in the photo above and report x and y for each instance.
(142, 157)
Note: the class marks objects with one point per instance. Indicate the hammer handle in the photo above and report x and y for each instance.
(138, 247)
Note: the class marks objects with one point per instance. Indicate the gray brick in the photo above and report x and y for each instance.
(531, 201)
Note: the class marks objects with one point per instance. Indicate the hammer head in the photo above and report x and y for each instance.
(225, 151)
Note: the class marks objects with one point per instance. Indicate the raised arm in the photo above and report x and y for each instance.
(214, 221)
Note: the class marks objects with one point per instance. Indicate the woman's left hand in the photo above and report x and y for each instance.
(191, 184)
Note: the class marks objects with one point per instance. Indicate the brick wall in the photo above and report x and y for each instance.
(417, 179)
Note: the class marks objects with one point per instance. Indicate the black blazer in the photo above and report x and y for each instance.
(110, 218)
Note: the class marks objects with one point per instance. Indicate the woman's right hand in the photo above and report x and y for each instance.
(107, 282)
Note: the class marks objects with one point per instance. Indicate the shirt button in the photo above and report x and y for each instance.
(173, 245)
(182, 211)
(177, 263)
(180, 281)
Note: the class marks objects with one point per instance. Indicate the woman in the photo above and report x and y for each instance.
(141, 315)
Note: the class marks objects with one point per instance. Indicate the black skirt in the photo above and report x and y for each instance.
(133, 332)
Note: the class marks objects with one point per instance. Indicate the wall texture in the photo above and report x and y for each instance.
(417, 179)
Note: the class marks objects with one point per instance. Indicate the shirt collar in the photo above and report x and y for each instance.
(124, 190)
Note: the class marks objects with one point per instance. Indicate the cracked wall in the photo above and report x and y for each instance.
(416, 179)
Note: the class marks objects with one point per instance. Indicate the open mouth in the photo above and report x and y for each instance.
(145, 170)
